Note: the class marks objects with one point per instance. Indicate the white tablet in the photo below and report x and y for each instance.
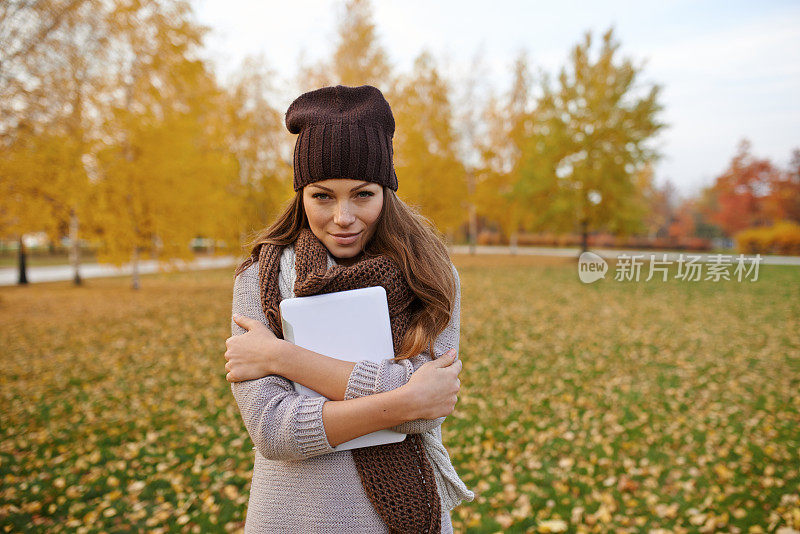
(349, 325)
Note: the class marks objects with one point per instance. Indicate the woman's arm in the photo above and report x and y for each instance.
(369, 378)
(325, 375)
(261, 353)
(431, 393)
(282, 424)
(288, 426)
(336, 379)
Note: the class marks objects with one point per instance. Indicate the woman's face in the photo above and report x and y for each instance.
(343, 214)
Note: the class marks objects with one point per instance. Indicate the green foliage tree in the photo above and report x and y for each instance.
(591, 136)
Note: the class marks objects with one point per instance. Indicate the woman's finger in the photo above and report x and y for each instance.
(444, 360)
(245, 322)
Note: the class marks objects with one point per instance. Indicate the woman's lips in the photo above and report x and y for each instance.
(346, 240)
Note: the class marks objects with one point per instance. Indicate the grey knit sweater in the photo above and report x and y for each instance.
(299, 483)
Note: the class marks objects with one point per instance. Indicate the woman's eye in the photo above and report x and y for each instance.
(324, 196)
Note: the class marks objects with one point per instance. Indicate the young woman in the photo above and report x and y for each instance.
(346, 229)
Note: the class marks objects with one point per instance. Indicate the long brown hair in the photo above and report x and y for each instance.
(407, 237)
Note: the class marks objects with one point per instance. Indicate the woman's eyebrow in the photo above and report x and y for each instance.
(353, 189)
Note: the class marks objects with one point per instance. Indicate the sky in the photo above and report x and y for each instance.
(728, 69)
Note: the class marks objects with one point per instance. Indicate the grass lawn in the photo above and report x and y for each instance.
(616, 406)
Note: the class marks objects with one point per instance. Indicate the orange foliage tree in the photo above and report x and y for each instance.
(742, 191)
(782, 203)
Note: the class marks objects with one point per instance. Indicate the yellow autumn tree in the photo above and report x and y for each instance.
(51, 70)
(471, 127)
(659, 202)
(165, 174)
(430, 173)
(29, 160)
(357, 59)
(510, 122)
(262, 147)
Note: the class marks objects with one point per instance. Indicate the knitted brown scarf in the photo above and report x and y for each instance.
(397, 477)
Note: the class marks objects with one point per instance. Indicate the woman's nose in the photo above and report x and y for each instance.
(343, 215)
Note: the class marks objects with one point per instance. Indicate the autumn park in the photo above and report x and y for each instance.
(618, 405)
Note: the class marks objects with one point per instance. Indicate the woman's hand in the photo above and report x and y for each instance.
(253, 354)
(433, 388)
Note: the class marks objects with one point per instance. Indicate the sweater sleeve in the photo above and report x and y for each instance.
(368, 377)
(283, 424)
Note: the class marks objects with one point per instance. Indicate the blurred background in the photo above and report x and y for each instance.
(133, 130)
(141, 135)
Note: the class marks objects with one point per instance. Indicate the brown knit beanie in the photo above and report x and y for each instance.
(345, 132)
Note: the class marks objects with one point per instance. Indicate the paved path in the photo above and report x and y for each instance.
(8, 275)
(51, 273)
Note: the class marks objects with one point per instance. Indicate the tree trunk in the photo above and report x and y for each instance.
(22, 262)
(135, 266)
(472, 238)
(513, 241)
(74, 248)
(584, 235)
(473, 228)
